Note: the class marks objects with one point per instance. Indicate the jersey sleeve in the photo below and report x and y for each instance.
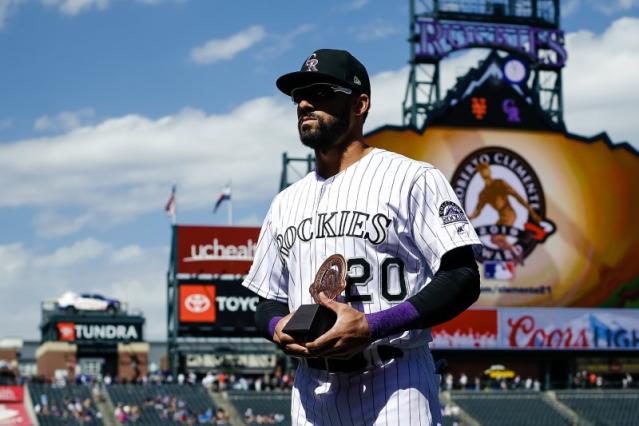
(439, 222)
(268, 276)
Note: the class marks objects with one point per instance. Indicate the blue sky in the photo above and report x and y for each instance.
(106, 103)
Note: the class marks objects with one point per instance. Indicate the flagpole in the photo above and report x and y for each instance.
(230, 211)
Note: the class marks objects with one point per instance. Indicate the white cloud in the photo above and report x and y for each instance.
(80, 251)
(600, 84)
(123, 167)
(51, 224)
(282, 43)
(65, 120)
(30, 277)
(610, 7)
(225, 49)
(376, 31)
(13, 261)
(127, 254)
(355, 5)
(569, 7)
(7, 7)
(74, 7)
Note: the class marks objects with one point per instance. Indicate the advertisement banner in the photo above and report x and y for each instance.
(11, 393)
(474, 328)
(197, 303)
(98, 332)
(224, 308)
(12, 411)
(556, 213)
(245, 363)
(571, 329)
(216, 250)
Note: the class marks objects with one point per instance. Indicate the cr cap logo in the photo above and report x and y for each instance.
(505, 203)
(311, 63)
(197, 303)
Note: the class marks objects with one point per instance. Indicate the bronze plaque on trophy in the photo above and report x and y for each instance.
(311, 321)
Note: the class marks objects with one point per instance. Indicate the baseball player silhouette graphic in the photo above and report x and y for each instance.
(496, 193)
(409, 264)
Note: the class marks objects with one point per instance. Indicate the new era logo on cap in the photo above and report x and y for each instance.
(328, 66)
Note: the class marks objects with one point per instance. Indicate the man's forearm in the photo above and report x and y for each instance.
(453, 289)
(267, 314)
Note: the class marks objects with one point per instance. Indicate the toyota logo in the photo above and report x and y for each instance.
(197, 303)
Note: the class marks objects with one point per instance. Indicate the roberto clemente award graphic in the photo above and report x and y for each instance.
(311, 321)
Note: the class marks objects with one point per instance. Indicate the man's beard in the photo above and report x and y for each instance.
(326, 134)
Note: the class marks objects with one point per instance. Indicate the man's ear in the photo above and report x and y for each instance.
(362, 104)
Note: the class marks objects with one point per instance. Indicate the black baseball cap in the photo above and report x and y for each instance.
(328, 66)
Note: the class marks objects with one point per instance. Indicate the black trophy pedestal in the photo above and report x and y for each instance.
(309, 322)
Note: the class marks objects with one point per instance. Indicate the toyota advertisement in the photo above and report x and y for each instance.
(541, 329)
(223, 308)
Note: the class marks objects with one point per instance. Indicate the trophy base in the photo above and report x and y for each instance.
(309, 322)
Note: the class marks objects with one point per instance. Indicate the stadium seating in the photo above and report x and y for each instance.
(57, 400)
(154, 400)
(603, 407)
(263, 403)
(508, 408)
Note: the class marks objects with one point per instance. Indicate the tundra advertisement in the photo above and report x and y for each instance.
(223, 308)
(102, 332)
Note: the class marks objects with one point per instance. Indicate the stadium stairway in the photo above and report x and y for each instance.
(465, 418)
(221, 399)
(104, 403)
(551, 398)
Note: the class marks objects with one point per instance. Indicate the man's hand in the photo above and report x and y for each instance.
(286, 341)
(348, 336)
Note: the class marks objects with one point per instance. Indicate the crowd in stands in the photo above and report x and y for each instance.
(170, 408)
(251, 418)
(582, 380)
(78, 409)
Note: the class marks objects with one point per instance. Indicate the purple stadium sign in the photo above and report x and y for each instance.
(543, 46)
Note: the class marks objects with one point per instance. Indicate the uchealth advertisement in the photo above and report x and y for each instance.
(215, 250)
(226, 308)
(556, 213)
(12, 411)
(541, 329)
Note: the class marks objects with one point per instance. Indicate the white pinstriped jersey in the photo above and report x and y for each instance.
(391, 217)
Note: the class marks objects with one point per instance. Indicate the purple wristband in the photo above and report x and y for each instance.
(272, 324)
(390, 321)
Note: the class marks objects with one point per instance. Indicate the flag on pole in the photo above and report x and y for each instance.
(171, 206)
(225, 195)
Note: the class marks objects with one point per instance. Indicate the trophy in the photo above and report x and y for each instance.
(311, 321)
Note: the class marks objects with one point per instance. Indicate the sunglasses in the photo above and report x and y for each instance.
(317, 92)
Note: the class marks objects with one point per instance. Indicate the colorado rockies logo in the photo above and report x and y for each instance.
(505, 201)
(311, 63)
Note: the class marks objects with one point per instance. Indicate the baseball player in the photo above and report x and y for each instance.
(409, 251)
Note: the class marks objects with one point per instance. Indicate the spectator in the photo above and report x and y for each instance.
(449, 381)
(463, 381)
